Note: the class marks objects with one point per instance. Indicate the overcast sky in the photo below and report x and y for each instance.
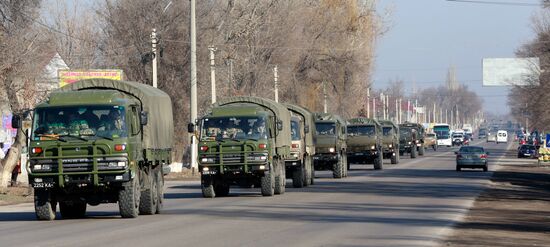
(427, 36)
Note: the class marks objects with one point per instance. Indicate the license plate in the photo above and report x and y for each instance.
(43, 185)
(527, 154)
(315, 158)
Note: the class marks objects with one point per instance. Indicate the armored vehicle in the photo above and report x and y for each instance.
(390, 140)
(300, 165)
(244, 141)
(100, 141)
(365, 142)
(331, 147)
(411, 139)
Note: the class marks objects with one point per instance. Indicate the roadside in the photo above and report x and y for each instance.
(513, 211)
(16, 195)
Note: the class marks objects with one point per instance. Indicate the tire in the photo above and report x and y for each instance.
(221, 189)
(457, 168)
(401, 153)
(129, 197)
(379, 161)
(308, 174)
(413, 153)
(149, 196)
(298, 177)
(435, 147)
(207, 187)
(44, 204)
(72, 210)
(337, 170)
(159, 177)
(280, 178)
(421, 150)
(485, 168)
(268, 183)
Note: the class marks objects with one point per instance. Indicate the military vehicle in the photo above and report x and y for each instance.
(390, 140)
(411, 139)
(100, 141)
(365, 142)
(331, 147)
(244, 141)
(300, 165)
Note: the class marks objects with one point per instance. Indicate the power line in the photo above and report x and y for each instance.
(496, 3)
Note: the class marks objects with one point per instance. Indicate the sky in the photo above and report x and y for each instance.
(426, 37)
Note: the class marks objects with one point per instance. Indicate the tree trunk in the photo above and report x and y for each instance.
(10, 161)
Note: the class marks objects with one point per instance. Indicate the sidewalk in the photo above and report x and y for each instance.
(513, 211)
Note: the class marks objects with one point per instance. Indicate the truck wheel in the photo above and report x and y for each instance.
(298, 177)
(309, 167)
(435, 147)
(207, 187)
(337, 167)
(44, 204)
(312, 175)
(379, 161)
(401, 153)
(72, 210)
(413, 152)
(149, 196)
(159, 177)
(280, 179)
(394, 158)
(421, 150)
(268, 183)
(221, 189)
(128, 198)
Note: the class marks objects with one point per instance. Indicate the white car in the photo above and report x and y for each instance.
(502, 136)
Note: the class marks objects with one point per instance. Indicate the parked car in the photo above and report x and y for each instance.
(527, 150)
(471, 157)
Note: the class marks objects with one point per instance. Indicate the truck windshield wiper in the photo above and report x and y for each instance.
(74, 136)
(53, 137)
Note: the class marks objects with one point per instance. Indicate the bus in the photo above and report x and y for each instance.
(442, 131)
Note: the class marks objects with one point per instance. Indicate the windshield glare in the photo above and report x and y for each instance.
(89, 121)
(295, 130)
(361, 130)
(324, 128)
(235, 128)
(387, 131)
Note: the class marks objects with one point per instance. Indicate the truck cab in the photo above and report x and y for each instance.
(411, 139)
(300, 165)
(390, 140)
(365, 142)
(331, 147)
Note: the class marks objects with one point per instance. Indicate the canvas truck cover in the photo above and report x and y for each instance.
(331, 117)
(159, 131)
(363, 120)
(309, 121)
(280, 111)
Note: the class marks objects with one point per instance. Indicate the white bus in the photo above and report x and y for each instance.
(443, 132)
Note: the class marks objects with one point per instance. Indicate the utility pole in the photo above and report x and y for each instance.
(325, 107)
(408, 110)
(231, 76)
(154, 42)
(368, 102)
(212, 73)
(396, 111)
(276, 77)
(374, 107)
(193, 36)
(400, 111)
(387, 107)
(434, 112)
(446, 116)
(416, 110)
(382, 99)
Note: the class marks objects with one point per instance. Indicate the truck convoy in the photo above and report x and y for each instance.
(300, 166)
(390, 140)
(244, 141)
(331, 147)
(365, 142)
(100, 141)
(411, 139)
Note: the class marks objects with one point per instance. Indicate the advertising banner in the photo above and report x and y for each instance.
(70, 76)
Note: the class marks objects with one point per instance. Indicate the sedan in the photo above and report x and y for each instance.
(471, 157)
(526, 150)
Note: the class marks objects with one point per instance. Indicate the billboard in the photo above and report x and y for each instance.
(511, 71)
(70, 76)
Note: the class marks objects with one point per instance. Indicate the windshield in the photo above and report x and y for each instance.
(405, 132)
(235, 128)
(430, 135)
(295, 130)
(387, 131)
(361, 130)
(324, 128)
(471, 150)
(457, 136)
(442, 134)
(92, 121)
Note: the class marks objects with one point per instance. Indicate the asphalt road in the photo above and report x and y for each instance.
(414, 203)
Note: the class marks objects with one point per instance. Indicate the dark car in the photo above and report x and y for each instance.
(526, 150)
(471, 157)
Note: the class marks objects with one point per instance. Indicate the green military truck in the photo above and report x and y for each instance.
(331, 146)
(411, 139)
(100, 141)
(390, 140)
(365, 142)
(244, 141)
(300, 165)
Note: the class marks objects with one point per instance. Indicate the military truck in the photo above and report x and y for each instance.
(365, 142)
(411, 139)
(300, 165)
(390, 140)
(331, 147)
(100, 141)
(244, 141)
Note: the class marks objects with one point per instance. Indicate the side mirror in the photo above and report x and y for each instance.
(16, 121)
(144, 118)
(306, 129)
(279, 125)
(190, 128)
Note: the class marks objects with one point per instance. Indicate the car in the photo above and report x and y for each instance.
(491, 137)
(526, 150)
(502, 136)
(458, 139)
(431, 141)
(471, 157)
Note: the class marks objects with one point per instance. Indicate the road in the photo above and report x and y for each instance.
(414, 203)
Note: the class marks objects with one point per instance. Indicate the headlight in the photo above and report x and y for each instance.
(390, 146)
(331, 150)
(41, 167)
(416, 141)
(409, 143)
(372, 147)
(207, 160)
